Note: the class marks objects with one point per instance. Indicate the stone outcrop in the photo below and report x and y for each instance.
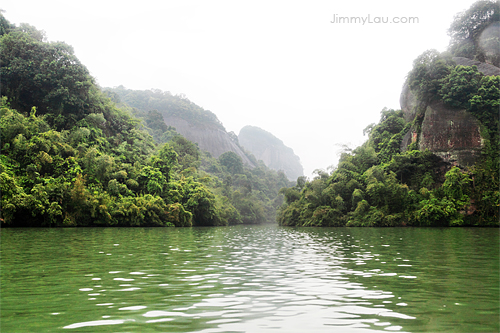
(408, 102)
(271, 150)
(209, 138)
(453, 134)
(486, 69)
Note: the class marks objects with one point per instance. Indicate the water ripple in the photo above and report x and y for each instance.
(259, 279)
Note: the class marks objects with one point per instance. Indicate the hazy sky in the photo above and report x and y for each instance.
(279, 65)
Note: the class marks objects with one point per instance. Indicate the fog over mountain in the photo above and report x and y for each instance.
(271, 150)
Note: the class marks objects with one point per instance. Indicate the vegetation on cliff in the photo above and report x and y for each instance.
(378, 185)
(475, 33)
(72, 157)
(164, 103)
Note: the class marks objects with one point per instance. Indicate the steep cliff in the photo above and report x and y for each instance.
(486, 69)
(451, 133)
(212, 139)
(190, 120)
(271, 150)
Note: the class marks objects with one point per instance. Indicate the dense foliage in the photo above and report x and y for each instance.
(72, 157)
(377, 184)
(166, 104)
(475, 33)
(254, 192)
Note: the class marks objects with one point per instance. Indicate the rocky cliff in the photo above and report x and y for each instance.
(209, 138)
(453, 134)
(486, 69)
(271, 150)
(190, 120)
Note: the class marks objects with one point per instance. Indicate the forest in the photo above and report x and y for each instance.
(377, 184)
(74, 154)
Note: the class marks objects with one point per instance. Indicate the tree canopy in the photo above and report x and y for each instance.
(73, 155)
(378, 184)
(475, 33)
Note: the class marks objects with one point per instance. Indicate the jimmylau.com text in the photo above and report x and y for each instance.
(376, 19)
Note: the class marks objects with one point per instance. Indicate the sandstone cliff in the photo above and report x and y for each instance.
(453, 134)
(190, 120)
(209, 138)
(271, 150)
(486, 69)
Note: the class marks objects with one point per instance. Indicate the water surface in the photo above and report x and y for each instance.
(249, 279)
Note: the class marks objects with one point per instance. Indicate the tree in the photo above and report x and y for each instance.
(251, 210)
(428, 70)
(187, 152)
(485, 102)
(5, 25)
(231, 162)
(165, 161)
(45, 75)
(467, 28)
(460, 86)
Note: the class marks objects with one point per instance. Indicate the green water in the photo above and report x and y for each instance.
(249, 279)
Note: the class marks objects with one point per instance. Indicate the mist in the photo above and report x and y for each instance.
(281, 66)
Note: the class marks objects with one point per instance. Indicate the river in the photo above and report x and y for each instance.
(250, 279)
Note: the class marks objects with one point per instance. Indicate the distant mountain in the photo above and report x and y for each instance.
(271, 150)
(214, 140)
(190, 120)
(74, 154)
(204, 128)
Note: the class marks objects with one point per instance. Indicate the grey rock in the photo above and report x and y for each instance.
(408, 102)
(486, 69)
(212, 139)
(271, 150)
(451, 133)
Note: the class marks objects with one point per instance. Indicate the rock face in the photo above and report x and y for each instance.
(271, 150)
(453, 134)
(211, 139)
(486, 69)
(409, 103)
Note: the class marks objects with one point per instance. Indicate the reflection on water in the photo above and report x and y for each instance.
(250, 279)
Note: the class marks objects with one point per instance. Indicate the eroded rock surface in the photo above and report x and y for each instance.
(408, 102)
(486, 69)
(211, 139)
(271, 150)
(453, 134)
